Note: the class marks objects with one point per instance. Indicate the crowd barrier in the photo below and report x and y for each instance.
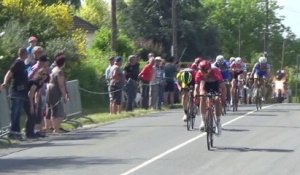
(72, 107)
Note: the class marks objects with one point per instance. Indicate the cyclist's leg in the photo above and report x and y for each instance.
(203, 106)
(184, 101)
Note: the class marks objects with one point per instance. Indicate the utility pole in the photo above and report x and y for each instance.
(174, 30)
(114, 31)
(266, 35)
(240, 36)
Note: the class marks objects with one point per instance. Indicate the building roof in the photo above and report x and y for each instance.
(83, 24)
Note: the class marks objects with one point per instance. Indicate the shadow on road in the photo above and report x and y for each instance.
(235, 130)
(32, 164)
(246, 149)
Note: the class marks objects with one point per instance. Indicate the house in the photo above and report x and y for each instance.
(79, 23)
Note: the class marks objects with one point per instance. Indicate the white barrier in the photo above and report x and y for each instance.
(4, 111)
(73, 107)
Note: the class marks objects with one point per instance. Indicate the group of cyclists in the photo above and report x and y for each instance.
(222, 77)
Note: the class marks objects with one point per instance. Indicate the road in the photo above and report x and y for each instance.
(263, 142)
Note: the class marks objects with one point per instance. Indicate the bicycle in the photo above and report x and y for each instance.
(235, 98)
(258, 94)
(192, 111)
(211, 119)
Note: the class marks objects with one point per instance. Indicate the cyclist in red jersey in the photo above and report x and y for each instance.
(208, 80)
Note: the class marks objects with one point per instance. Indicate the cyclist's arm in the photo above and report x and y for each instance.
(253, 69)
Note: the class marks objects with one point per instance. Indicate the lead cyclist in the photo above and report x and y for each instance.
(260, 72)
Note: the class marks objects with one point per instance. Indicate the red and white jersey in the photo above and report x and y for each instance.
(237, 67)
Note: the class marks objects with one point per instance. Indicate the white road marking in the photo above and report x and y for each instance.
(182, 145)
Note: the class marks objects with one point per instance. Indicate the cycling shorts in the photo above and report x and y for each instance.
(211, 87)
(236, 74)
(261, 74)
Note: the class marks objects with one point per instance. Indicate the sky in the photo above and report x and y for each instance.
(291, 11)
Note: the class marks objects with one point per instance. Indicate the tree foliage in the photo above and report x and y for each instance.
(96, 12)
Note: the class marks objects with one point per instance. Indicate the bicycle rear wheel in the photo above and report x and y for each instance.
(209, 130)
(190, 118)
(235, 100)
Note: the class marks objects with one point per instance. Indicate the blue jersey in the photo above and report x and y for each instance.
(225, 69)
(261, 70)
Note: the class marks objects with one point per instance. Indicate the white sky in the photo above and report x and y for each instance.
(291, 11)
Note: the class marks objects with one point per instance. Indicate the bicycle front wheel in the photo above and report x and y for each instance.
(209, 129)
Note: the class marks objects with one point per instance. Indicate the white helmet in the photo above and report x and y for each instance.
(238, 60)
(220, 59)
(231, 59)
(262, 60)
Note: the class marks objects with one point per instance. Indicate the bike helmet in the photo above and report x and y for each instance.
(32, 39)
(194, 66)
(238, 60)
(232, 59)
(220, 59)
(262, 60)
(204, 65)
(197, 60)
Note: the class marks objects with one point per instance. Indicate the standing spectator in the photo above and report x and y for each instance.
(32, 43)
(35, 84)
(131, 72)
(146, 76)
(57, 91)
(107, 78)
(170, 74)
(42, 63)
(156, 84)
(17, 74)
(117, 81)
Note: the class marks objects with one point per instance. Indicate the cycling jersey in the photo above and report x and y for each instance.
(185, 78)
(261, 70)
(225, 69)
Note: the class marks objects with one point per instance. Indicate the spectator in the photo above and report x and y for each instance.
(35, 84)
(55, 92)
(170, 74)
(30, 59)
(146, 76)
(17, 74)
(131, 72)
(107, 78)
(156, 84)
(42, 63)
(117, 81)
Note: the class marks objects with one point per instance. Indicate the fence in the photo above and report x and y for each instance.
(4, 113)
(72, 108)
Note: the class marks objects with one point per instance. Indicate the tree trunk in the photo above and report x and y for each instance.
(114, 31)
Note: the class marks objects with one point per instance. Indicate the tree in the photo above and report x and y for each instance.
(114, 28)
(75, 3)
(96, 12)
(149, 23)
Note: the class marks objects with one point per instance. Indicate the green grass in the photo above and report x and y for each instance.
(101, 118)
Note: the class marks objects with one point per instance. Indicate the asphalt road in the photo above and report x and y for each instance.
(263, 142)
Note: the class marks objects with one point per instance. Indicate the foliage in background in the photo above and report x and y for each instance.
(102, 42)
(96, 12)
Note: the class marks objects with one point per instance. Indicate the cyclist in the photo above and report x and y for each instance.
(208, 80)
(185, 79)
(260, 72)
(224, 66)
(238, 68)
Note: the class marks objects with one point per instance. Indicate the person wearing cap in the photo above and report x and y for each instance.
(32, 43)
(156, 88)
(131, 72)
(116, 83)
(107, 78)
